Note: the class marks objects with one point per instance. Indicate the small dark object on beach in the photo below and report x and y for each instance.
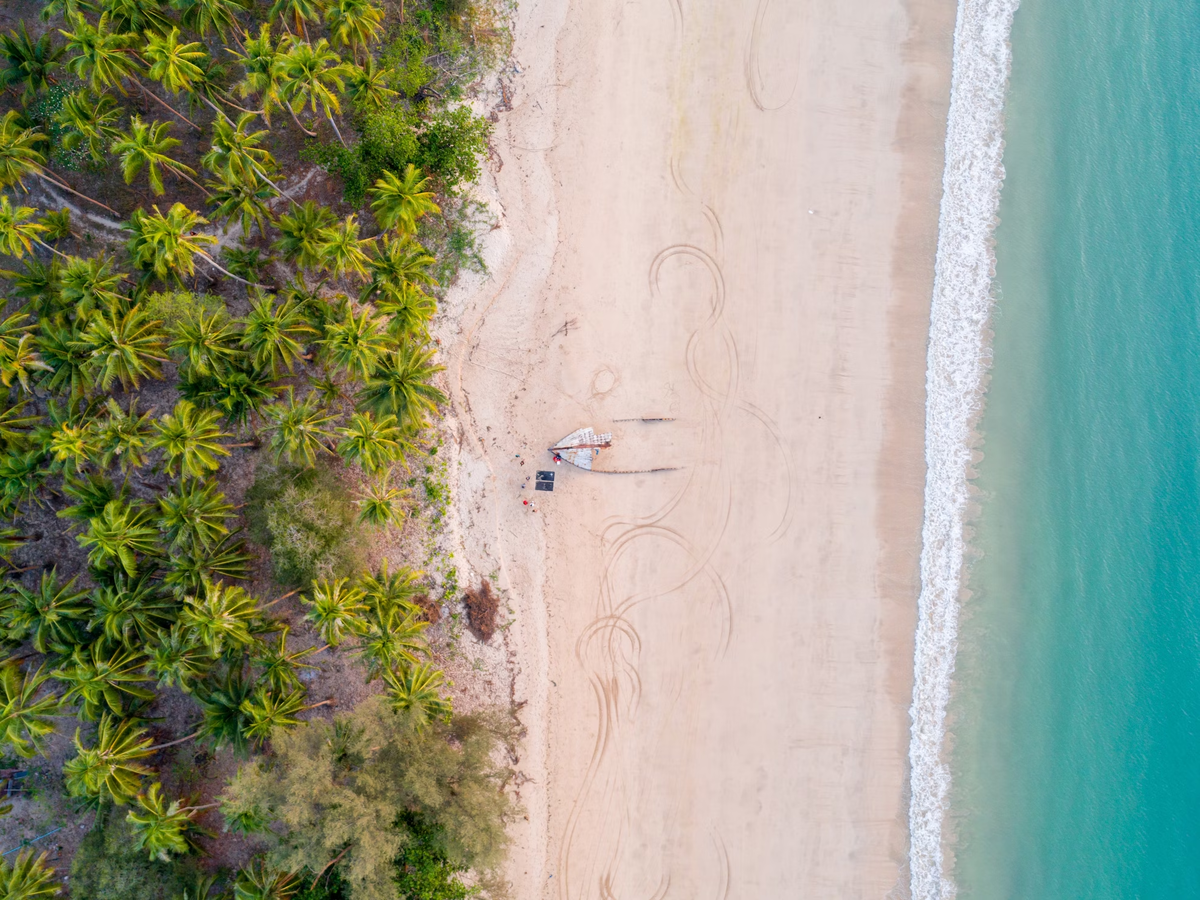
(482, 605)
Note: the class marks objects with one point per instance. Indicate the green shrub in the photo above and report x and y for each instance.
(329, 886)
(371, 785)
(404, 61)
(43, 114)
(423, 871)
(451, 146)
(389, 140)
(306, 519)
(345, 162)
(107, 867)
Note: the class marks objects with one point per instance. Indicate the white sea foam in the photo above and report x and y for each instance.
(958, 359)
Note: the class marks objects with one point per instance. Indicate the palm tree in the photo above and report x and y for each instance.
(50, 616)
(58, 224)
(223, 617)
(399, 262)
(366, 86)
(297, 428)
(110, 770)
(303, 234)
(177, 658)
(224, 722)
(411, 311)
(312, 74)
(395, 639)
(219, 15)
(119, 534)
(301, 11)
(273, 334)
(100, 678)
(259, 60)
(337, 610)
(189, 438)
(401, 386)
(90, 284)
(280, 665)
(141, 17)
(206, 340)
(131, 611)
(19, 360)
(174, 65)
(123, 345)
(167, 244)
(194, 513)
(38, 283)
(70, 364)
(238, 390)
(90, 119)
(20, 157)
(243, 199)
(400, 200)
(22, 477)
(391, 590)
(416, 689)
(189, 567)
(372, 443)
(146, 146)
(28, 62)
(353, 23)
(90, 494)
(380, 505)
(355, 342)
(236, 153)
(73, 445)
(258, 881)
(343, 251)
(69, 8)
(101, 56)
(267, 710)
(124, 436)
(25, 718)
(245, 262)
(18, 233)
(15, 424)
(27, 878)
(160, 828)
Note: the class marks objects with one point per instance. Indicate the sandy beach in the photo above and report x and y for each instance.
(723, 213)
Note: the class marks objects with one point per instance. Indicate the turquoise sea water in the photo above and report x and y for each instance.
(1076, 714)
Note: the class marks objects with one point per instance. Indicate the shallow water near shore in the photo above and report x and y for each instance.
(1077, 695)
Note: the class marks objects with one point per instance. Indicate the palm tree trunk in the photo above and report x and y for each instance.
(220, 268)
(187, 177)
(332, 700)
(288, 105)
(263, 176)
(173, 743)
(284, 597)
(51, 249)
(329, 116)
(328, 866)
(173, 110)
(42, 173)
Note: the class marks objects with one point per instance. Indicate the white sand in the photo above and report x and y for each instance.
(715, 662)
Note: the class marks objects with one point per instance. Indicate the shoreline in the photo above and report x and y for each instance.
(511, 385)
(958, 360)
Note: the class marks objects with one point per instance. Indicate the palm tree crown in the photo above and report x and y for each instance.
(400, 200)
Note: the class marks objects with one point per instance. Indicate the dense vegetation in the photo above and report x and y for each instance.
(188, 345)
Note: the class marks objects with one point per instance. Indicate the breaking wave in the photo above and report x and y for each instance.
(958, 359)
